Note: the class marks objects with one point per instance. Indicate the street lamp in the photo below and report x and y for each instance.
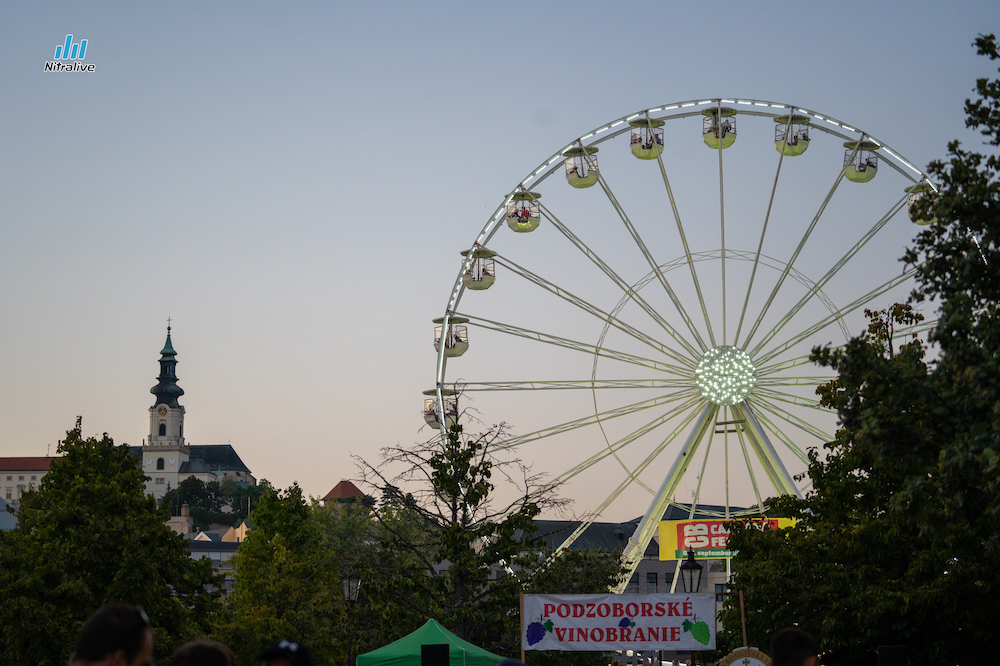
(691, 574)
(351, 583)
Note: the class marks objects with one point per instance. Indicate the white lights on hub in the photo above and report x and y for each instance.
(725, 375)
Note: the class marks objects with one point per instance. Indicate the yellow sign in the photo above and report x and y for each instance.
(746, 657)
(707, 538)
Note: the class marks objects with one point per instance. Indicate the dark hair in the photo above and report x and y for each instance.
(203, 653)
(114, 627)
(792, 646)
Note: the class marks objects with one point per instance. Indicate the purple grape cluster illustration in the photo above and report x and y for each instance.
(626, 622)
(536, 631)
(699, 630)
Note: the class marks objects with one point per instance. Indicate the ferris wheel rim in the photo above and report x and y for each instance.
(755, 107)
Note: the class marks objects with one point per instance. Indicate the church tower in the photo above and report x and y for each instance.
(165, 452)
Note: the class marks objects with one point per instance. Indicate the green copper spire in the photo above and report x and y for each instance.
(166, 390)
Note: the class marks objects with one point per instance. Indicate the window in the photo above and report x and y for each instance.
(10, 478)
(651, 583)
(34, 478)
(180, 432)
(20, 478)
(160, 480)
(163, 429)
(9, 490)
(720, 591)
(159, 463)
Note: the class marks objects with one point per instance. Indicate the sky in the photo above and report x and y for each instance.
(291, 184)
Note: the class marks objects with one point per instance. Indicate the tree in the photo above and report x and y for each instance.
(285, 582)
(899, 541)
(214, 503)
(447, 540)
(449, 549)
(89, 535)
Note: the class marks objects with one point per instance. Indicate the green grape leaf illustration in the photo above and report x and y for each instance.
(547, 625)
(687, 625)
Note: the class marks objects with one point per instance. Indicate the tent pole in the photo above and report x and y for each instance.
(520, 598)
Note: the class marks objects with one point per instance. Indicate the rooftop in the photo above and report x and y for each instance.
(342, 490)
(26, 464)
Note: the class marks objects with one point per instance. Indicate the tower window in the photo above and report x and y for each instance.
(163, 429)
(181, 433)
(159, 463)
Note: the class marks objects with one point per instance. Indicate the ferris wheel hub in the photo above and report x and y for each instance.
(725, 375)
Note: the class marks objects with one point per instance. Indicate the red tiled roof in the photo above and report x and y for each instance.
(342, 490)
(26, 464)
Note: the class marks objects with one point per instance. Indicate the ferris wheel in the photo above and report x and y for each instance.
(641, 306)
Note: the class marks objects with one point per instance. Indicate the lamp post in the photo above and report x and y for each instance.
(351, 583)
(691, 574)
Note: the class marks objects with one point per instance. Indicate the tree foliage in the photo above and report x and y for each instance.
(285, 582)
(89, 535)
(899, 541)
(214, 503)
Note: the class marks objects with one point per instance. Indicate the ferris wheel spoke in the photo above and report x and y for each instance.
(785, 440)
(687, 248)
(632, 475)
(625, 483)
(653, 265)
(839, 314)
(745, 449)
(620, 282)
(576, 345)
(789, 443)
(808, 380)
(766, 406)
(594, 311)
(766, 455)
(704, 460)
(791, 261)
(588, 384)
(878, 226)
(687, 395)
(790, 399)
(612, 450)
(763, 232)
(722, 225)
(786, 364)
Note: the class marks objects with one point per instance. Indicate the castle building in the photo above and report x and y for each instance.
(20, 473)
(166, 457)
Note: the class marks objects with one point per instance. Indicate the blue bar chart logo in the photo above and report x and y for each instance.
(73, 51)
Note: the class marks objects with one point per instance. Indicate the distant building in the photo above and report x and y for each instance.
(345, 490)
(165, 457)
(219, 546)
(19, 474)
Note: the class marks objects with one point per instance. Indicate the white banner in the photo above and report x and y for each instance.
(605, 622)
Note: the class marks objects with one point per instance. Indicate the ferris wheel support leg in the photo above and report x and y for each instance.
(649, 524)
(766, 454)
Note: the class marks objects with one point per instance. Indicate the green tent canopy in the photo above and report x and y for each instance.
(406, 651)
